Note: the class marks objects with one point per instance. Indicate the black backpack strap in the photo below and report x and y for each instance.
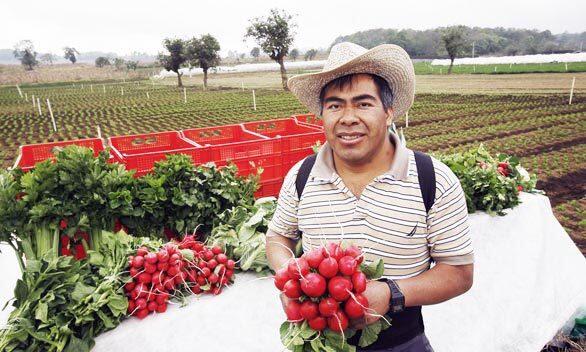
(303, 174)
(426, 175)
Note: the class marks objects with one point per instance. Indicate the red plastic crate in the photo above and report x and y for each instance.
(141, 151)
(30, 154)
(296, 139)
(247, 150)
(309, 119)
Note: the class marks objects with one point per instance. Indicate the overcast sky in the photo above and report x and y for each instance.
(124, 26)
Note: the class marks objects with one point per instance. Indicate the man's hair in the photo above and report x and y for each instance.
(384, 91)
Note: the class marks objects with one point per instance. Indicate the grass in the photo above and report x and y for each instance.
(425, 68)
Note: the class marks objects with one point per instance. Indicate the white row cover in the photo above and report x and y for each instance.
(266, 66)
(521, 59)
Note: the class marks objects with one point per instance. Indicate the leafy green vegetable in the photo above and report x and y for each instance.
(486, 188)
(62, 304)
(242, 232)
(374, 270)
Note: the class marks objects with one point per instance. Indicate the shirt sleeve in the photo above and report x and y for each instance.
(284, 221)
(448, 228)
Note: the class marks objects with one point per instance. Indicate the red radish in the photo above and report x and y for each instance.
(141, 314)
(144, 278)
(208, 255)
(142, 251)
(65, 252)
(339, 287)
(131, 306)
(318, 323)
(162, 255)
(206, 272)
(347, 265)
(229, 273)
(150, 268)
(220, 270)
(133, 272)
(355, 306)
(170, 248)
(359, 282)
(314, 257)
(217, 250)
(162, 308)
(355, 253)
(230, 264)
(333, 250)
(222, 258)
(213, 278)
(64, 241)
(63, 224)
(162, 266)
(328, 306)
(293, 311)
(198, 246)
(159, 288)
(141, 303)
(328, 268)
(152, 306)
(173, 271)
(151, 258)
(292, 289)
(338, 322)
(201, 281)
(309, 310)
(196, 289)
(313, 285)
(297, 268)
(129, 286)
(138, 262)
(79, 252)
(202, 264)
(212, 263)
(158, 278)
(174, 259)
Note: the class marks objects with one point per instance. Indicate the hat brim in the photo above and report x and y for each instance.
(388, 61)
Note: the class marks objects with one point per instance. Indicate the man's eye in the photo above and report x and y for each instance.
(333, 106)
(365, 104)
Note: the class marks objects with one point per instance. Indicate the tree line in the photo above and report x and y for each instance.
(477, 41)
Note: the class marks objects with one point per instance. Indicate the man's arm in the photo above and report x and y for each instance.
(439, 284)
(280, 249)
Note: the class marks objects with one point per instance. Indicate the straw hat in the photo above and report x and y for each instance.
(388, 61)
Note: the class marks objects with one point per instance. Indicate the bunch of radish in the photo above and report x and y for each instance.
(186, 265)
(325, 287)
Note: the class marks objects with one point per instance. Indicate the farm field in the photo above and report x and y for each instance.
(543, 130)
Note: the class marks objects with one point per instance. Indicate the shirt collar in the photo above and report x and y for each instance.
(324, 163)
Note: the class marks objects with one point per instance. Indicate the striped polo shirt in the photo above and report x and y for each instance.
(387, 221)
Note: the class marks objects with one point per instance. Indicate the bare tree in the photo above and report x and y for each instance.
(25, 52)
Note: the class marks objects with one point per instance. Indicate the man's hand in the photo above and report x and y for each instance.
(379, 296)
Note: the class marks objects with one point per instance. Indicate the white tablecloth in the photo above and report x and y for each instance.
(530, 279)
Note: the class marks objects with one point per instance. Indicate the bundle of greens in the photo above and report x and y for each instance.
(490, 183)
(62, 304)
(242, 232)
(183, 198)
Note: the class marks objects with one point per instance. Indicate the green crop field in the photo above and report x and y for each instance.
(425, 68)
(547, 133)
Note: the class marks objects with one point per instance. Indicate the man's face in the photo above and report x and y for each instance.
(355, 121)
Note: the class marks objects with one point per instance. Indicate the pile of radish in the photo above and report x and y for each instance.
(325, 288)
(187, 265)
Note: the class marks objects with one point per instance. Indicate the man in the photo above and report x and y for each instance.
(365, 187)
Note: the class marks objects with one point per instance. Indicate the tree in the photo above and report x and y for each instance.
(25, 52)
(131, 65)
(177, 57)
(255, 53)
(48, 58)
(204, 52)
(294, 54)
(274, 34)
(70, 54)
(119, 63)
(310, 54)
(102, 61)
(455, 41)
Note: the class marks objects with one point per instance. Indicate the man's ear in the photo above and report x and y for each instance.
(389, 116)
